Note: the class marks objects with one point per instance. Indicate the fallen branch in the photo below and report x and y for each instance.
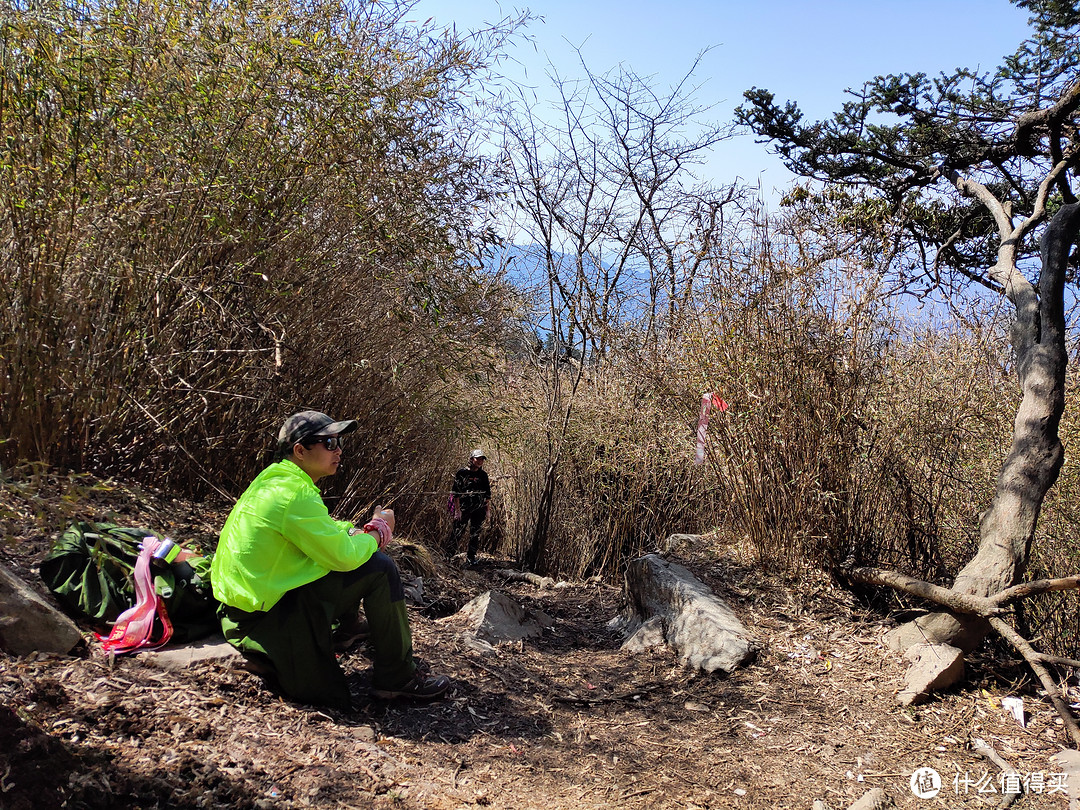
(628, 697)
(526, 576)
(954, 600)
(1034, 659)
(1025, 589)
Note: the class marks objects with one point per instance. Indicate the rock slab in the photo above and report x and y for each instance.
(673, 542)
(648, 635)
(873, 799)
(493, 616)
(1068, 763)
(700, 626)
(934, 667)
(182, 656)
(28, 623)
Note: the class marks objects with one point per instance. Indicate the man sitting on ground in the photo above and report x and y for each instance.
(285, 573)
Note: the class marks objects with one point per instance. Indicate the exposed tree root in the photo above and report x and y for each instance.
(959, 602)
(1025, 589)
(1053, 691)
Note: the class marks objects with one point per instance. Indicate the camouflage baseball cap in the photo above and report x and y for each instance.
(310, 425)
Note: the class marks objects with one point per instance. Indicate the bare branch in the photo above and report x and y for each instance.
(1051, 116)
(983, 748)
(1026, 589)
(977, 191)
(1040, 200)
(1034, 659)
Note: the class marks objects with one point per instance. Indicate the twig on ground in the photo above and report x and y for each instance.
(983, 748)
(596, 701)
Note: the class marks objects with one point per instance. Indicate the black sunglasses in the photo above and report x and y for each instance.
(331, 443)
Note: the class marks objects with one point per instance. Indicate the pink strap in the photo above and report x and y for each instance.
(134, 627)
(708, 400)
(382, 528)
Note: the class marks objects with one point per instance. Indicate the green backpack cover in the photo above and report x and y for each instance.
(90, 570)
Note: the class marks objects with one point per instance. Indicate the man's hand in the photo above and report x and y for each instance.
(385, 514)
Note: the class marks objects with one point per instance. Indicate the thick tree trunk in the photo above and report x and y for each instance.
(1007, 528)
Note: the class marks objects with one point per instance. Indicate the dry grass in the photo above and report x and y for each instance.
(270, 247)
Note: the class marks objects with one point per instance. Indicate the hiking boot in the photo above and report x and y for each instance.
(421, 687)
(350, 634)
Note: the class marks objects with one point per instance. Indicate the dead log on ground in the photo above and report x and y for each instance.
(702, 629)
(544, 583)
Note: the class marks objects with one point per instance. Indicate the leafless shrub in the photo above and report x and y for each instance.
(216, 214)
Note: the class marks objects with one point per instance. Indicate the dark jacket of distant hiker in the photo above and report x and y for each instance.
(473, 489)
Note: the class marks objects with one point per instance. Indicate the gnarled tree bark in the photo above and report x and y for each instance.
(1007, 528)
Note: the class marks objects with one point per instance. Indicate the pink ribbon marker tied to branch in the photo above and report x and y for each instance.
(708, 400)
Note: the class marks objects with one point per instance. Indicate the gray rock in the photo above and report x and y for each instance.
(966, 637)
(364, 734)
(702, 629)
(934, 667)
(873, 799)
(1068, 763)
(676, 541)
(29, 623)
(494, 617)
(182, 656)
(414, 591)
(625, 624)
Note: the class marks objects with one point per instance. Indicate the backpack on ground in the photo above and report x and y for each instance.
(91, 571)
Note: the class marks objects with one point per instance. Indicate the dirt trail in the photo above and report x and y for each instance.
(562, 721)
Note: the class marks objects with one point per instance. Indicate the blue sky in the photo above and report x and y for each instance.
(808, 52)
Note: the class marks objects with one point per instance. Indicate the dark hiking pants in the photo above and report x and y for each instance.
(294, 636)
(473, 520)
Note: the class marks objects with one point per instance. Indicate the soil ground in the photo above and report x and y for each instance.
(565, 720)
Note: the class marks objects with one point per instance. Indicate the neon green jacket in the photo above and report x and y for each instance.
(280, 536)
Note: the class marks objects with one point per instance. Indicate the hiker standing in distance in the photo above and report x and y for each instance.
(286, 574)
(471, 494)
